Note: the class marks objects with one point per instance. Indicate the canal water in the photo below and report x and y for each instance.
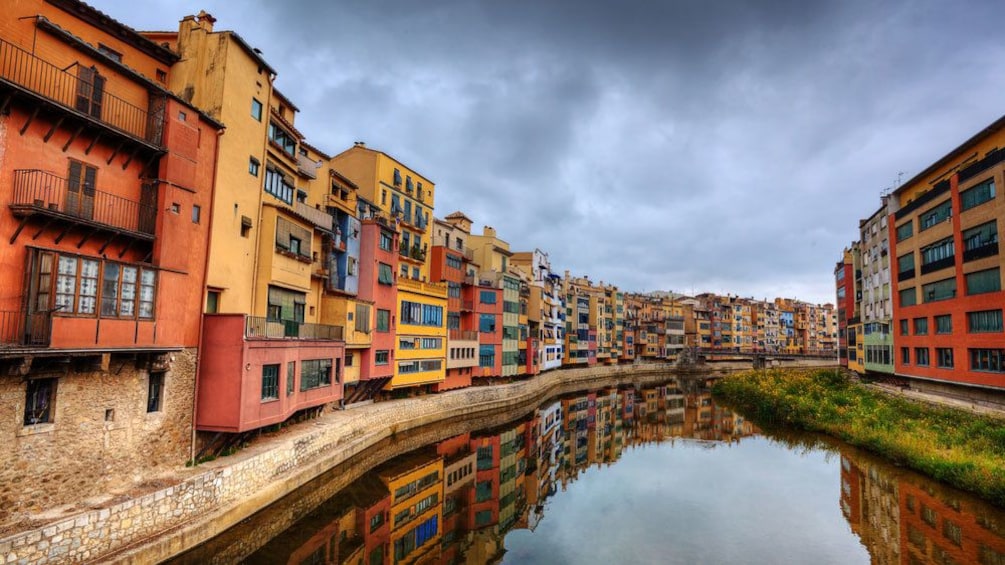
(653, 474)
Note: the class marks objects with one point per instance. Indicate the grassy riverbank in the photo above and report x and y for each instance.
(953, 446)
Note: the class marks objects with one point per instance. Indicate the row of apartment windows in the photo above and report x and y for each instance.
(81, 284)
(420, 343)
(420, 366)
(979, 282)
(982, 360)
(462, 352)
(314, 373)
(418, 314)
(879, 354)
(970, 198)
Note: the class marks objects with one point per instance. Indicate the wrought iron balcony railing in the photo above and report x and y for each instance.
(20, 329)
(257, 327)
(85, 92)
(43, 192)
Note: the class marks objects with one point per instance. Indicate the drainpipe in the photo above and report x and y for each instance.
(205, 290)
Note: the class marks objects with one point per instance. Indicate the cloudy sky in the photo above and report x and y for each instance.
(680, 145)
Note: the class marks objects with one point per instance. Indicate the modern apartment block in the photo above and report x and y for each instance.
(948, 292)
(873, 302)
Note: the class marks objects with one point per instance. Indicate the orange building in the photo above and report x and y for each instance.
(107, 181)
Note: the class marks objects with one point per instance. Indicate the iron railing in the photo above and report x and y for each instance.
(258, 327)
(938, 264)
(986, 250)
(84, 92)
(53, 194)
(20, 329)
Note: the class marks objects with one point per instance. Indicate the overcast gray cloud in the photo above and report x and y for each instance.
(729, 147)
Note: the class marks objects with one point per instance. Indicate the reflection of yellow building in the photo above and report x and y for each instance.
(420, 351)
(416, 485)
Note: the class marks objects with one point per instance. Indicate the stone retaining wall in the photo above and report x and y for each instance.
(166, 522)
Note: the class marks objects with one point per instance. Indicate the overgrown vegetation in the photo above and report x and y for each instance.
(959, 448)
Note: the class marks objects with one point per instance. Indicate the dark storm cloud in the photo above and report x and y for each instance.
(729, 147)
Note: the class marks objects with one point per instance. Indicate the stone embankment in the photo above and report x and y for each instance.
(164, 523)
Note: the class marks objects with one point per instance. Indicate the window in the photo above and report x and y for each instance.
(944, 357)
(291, 377)
(386, 243)
(270, 382)
(987, 360)
(984, 321)
(982, 282)
(155, 391)
(384, 274)
(908, 297)
(453, 289)
(940, 253)
(381, 357)
(903, 327)
(90, 91)
(487, 297)
(383, 320)
(292, 238)
(253, 165)
(453, 262)
(977, 194)
(315, 373)
(905, 231)
(362, 318)
(278, 185)
(282, 139)
(148, 280)
(944, 324)
(39, 399)
(286, 305)
(256, 109)
(939, 290)
(487, 323)
(921, 326)
(936, 215)
(80, 190)
(921, 356)
(905, 355)
(980, 241)
(397, 177)
(212, 301)
(418, 314)
(196, 213)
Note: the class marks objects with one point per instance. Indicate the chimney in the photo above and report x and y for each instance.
(488, 231)
(206, 21)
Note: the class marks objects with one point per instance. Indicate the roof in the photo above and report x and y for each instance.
(984, 133)
(275, 92)
(109, 24)
(363, 147)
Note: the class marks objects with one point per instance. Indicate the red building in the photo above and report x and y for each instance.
(947, 289)
(378, 275)
(844, 274)
(107, 183)
(452, 263)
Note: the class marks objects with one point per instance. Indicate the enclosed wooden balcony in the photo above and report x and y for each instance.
(77, 202)
(80, 96)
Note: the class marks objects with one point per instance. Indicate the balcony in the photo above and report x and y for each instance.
(317, 217)
(905, 275)
(980, 251)
(467, 305)
(463, 335)
(257, 327)
(939, 189)
(42, 193)
(939, 264)
(84, 95)
(21, 330)
(307, 167)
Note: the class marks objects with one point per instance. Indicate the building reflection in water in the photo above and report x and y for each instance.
(902, 517)
(455, 501)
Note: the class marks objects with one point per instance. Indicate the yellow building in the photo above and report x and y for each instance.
(420, 351)
(416, 485)
(493, 255)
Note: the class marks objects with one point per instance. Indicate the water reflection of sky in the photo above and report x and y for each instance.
(750, 502)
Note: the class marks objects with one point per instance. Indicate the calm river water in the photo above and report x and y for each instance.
(651, 474)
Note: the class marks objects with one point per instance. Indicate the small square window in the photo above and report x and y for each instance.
(253, 165)
(162, 76)
(295, 245)
(182, 116)
(196, 213)
(256, 109)
(175, 208)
